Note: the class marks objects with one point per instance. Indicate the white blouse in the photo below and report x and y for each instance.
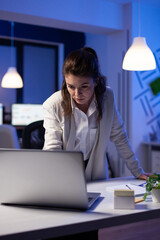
(86, 128)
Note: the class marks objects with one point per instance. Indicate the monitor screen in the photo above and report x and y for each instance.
(24, 114)
(1, 113)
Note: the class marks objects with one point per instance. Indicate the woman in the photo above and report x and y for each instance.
(83, 117)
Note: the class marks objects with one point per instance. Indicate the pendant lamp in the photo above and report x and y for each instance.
(139, 57)
(12, 79)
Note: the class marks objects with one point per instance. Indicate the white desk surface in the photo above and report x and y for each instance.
(34, 223)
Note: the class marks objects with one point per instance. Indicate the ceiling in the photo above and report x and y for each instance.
(121, 1)
(155, 2)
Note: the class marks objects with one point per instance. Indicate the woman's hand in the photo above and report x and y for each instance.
(144, 176)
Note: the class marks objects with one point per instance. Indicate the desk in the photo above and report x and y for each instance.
(33, 223)
(150, 146)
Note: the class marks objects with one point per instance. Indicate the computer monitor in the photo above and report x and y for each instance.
(1, 113)
(24, 114)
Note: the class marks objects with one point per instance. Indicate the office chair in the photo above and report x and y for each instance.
(8, 137)
(33, 135)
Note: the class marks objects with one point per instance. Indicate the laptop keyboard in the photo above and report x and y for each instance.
(89, 199)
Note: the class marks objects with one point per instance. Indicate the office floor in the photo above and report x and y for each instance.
(88, 236)
(146, 230)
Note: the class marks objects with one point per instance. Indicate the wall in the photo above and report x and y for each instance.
(98, 16)
(99, 43)
(145, 106)
(138, 107)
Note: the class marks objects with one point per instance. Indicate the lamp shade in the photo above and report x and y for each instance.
(139, 57)
(12, 79)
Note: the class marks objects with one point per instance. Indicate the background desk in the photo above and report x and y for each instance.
(153, 156)
(33, 223)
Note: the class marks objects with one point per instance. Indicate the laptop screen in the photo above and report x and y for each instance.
(1, 113)
(24, 114)
(43, 178)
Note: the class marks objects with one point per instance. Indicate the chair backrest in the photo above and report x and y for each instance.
(33, 135)
(8, 137)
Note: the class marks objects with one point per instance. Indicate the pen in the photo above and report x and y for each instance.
(128, 187)
(142, 184)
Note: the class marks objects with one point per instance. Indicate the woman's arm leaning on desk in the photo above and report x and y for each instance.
(120, 138)
(144, 176)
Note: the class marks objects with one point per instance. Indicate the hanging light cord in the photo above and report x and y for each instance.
(12, 43)
(139, 19)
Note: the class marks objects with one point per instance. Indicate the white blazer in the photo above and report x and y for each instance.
(60, 134)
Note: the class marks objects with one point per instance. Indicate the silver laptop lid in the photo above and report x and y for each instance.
(46, 178)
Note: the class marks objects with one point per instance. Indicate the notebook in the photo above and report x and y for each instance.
(44, 178)
(138, 190)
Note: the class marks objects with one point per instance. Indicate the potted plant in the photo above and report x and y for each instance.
(153, 186)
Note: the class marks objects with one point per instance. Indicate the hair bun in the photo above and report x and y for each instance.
(91, 51)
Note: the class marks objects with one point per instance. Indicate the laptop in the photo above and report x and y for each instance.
(44, 178)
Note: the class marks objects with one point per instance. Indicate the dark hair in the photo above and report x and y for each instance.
(83, 62)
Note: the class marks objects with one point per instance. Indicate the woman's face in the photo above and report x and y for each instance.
(81, 89)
